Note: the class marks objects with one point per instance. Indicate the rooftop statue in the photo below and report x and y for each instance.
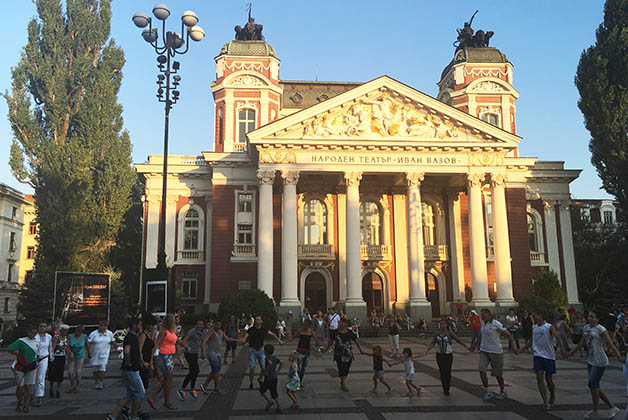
(251, 32)
(467, 37)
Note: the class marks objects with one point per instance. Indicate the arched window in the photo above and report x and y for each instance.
(490, 118)
(428, 224)
(533, 233)
(246, 123)
(370, 222)
(191, 230)
(315, 222)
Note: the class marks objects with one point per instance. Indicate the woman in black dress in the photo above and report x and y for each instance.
(526, 327)
(305, 334)
(60, 351)
(343, 352)
(147, 347)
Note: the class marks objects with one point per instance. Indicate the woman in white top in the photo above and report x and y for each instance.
(597, 361)
(100, 341)
(45, 350)
(512, 323)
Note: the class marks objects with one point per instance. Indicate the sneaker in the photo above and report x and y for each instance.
(194, 395)
(142, 415)
(110, 417)
(101, 385)
(181, 394)
(204, 389)
(410, 394)
(125, 413)
(501, 396)
(96, 385)
(150, 402)
(487, 395)
(446, 393)
(269, 404)
(593, 414)
(612, 412)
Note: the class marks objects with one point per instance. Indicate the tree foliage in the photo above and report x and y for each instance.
(546, 294)
(600, 252)
(69, 143)
(602, 80)
(250, 301)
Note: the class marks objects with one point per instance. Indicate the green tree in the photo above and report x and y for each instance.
(546, 294)
(69, 143)
(602, 80)
(250, 301)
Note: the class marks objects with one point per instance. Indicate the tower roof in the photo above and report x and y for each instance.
(252, 48)
(476, 55)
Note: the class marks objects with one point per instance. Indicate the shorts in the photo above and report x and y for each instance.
(496, 360)
(134, 386)
(378, 374)
(100, 366)
(544, 364)
(343, 367)
(595, 375)
(165, 363)
(256, 355)
(409, 376)
(332, 334)
(27, 378)
(231, 345)
(215, 361)
(269, 385)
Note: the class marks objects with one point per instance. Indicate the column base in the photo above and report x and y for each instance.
(290, 309)
(481, 303)
(421, 308)
(401, 306)
(506, 303)
(356, 309)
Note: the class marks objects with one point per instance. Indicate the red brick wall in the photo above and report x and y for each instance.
(466, 252)
(519, 245)
(277, 211)
(199, 269)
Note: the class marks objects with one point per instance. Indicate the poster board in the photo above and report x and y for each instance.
(157, 297)
(81, 298)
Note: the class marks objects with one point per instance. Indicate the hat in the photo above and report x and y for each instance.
(473, 312)
(64, 327)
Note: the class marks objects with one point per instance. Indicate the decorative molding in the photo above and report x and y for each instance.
(476, 72)
(414, 178)
(475, 179)
(498, 180)
(265, 177)
(277, 156)
(247, 80)
(352, 179)
(488, 86)
(486, 159)
(290, 177)
(238, 66)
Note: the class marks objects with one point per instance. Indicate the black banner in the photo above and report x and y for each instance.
(157, 297)
(81, 298)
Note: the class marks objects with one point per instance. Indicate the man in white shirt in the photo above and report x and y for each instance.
(491, 352)
(45, 349)
(100, 342)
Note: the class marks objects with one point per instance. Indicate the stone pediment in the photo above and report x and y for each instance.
(383, 109)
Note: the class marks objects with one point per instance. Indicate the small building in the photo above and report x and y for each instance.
(29, 240)
(598, 211)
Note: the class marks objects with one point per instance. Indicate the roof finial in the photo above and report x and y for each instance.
(251, 31)
(248, 8)
(467, 37)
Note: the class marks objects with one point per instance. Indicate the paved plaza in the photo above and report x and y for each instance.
(321, 398)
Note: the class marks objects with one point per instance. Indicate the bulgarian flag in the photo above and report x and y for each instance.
(27, 354)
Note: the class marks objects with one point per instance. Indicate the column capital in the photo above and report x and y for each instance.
(475, 179)
(414, 178)
(352, 179)
(265, 176)
(290, 177)
(548, 206)
(498, 180)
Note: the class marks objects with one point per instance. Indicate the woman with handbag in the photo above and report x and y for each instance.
(25, 366)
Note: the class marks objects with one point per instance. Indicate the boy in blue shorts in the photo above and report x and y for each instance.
(271, 368)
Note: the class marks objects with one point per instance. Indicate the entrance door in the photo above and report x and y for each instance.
(373, 292)
(315, 293)
(431, 290)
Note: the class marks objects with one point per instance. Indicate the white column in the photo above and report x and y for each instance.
(568, 255)
(419, 305)
(342, 247)
(354, 303)
(265, 232)
(208, 248)
(552, 239)
(152, 231)
(477, 241)
(289, 286)
(455, 244)
(171, 222)
(401, 252)
(503, 270)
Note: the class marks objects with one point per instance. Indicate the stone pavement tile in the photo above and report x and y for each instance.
(429, 397)
(457, 415)
(292, 415)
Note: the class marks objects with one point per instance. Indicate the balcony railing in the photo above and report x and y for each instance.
(243, 250)
(537, 258)
(435, 252)
(239, 147)
(316, 252)
(189, 255)
(375, 252)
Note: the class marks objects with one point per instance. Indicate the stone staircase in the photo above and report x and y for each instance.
(366, 330)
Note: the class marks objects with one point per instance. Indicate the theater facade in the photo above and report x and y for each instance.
(362, 196)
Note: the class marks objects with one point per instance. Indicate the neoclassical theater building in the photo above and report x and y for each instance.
(362, 196)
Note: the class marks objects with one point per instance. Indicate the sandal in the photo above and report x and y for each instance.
(25, 409)
(170, 406)
(150, 402)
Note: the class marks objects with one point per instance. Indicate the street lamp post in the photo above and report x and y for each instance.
(171, 45)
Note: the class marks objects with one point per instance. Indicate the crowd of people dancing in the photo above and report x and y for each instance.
(153, 345)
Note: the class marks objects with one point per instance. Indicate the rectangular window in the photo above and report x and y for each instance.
(30, 252)
(245, 234)
(12, 244)
(608, 217)
(28, 276)
(188, 285)
(245, 202)
(7, 305)
(246, 123)
(221, 125)
(488, 214)
(14, 213)
(10, 273)
(32, 228)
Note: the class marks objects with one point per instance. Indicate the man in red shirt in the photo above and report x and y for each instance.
(476, 326)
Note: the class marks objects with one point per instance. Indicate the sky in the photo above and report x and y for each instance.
(349, 40)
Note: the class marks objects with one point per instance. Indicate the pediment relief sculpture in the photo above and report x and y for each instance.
(383, 116)
(488, 86)
(247, 80)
